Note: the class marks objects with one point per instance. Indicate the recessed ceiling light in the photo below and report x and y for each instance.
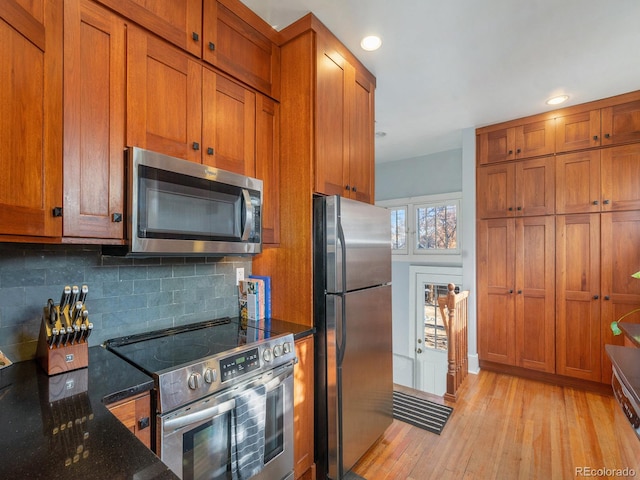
(371, 43)
(557, 100)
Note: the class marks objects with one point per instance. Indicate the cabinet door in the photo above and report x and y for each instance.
(303, 412)
(164, 98)
(178, 22)
(578, 131)
(496, 146)
(578, 182)
(361, 138)
(496, 191)
(94, 121)
(496, 279)
(229, 124)
(535, 139)
(30, 117)
(621, 292)
(621, 123)
(578, 330)
(237, 43)
(135, 414)
(535, 293)
(620, 171)
(535, 186)
(268, 165)
(331, 131)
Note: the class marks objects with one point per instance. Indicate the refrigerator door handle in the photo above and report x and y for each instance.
(343, 313)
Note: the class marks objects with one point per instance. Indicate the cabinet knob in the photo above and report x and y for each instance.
(518, 150)
(519, 292)
(347, 187)
(57, 211)
(143, 423)
(196, 146)
(596, 297)
(510, 152)
(210, 151)
(195, 36)
(606, 202)
(595, 137)
(116, 217)
(510, 291)
(353, 189)
(519, 208)
(607, 135)
(212, 46)
(596, 202)
(511, 209)
(607, 297)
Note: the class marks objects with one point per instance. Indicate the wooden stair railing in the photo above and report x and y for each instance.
(454, 312)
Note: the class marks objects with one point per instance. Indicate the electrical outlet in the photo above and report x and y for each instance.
(239, 275)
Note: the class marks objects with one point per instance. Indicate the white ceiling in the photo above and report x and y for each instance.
(448, 65)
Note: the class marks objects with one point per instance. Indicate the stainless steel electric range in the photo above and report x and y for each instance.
(224, 397)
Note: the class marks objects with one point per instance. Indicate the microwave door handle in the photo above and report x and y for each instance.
(248, 221)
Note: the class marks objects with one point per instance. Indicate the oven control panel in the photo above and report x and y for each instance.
(236, 365)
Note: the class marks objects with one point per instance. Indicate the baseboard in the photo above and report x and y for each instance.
(474, 364)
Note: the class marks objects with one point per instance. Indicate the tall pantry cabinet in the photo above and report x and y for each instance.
(571, 223)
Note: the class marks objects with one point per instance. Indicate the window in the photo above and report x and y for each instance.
(399, 229)
(426, 226)
(435, 335)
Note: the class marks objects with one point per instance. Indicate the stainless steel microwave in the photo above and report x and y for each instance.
(181, 208)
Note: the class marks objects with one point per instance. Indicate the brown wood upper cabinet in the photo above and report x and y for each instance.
(268, 165)
(31, 118)
(345, 118)
(598, 180)
(520, 141)
(611, 125)
(522, 188)
(241, 44)
(94, 121)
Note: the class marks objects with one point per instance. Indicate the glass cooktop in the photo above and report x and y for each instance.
(167, 349)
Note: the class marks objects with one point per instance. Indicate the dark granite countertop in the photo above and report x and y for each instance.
(626, 361)
(632, 331)
(59, 427)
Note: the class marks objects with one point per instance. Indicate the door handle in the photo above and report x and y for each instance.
(419, 350)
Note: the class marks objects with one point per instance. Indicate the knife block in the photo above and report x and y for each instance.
(63, 358)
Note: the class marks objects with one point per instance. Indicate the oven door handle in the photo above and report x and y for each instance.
(207, 413)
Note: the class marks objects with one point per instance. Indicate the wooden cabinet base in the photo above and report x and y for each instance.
(309, 474)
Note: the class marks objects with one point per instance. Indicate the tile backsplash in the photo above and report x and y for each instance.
(126, 296)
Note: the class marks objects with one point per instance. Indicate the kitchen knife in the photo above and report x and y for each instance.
(52, 339)
(83, 332)
(83, 294)
(75, 292)
(89, 330)
(64, 300)
(76, 332)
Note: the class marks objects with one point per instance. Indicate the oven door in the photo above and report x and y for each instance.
(243, 432)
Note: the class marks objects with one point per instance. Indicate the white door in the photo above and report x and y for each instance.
(430, 340)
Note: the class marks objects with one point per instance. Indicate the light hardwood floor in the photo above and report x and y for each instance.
(505, 427)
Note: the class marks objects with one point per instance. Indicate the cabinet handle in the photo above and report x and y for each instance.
(212, 46)
(511, 209)
(607, 135)
(195, 36)
(510, 152)
(519, 292)
(116, 217)
(347, 187)
(196, 146)
(353, 189)
(143, 423)
(606, 202)
(519, 208)
(596, 297)
(607, 297)
(595, 137)
(510, 291)
(518, 151)
(57, 211)
(210, 151)
(596, 202)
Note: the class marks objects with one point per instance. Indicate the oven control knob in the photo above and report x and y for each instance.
(194, 381)
(267, 355)
(210, 375)
(286, 347)
(277, 351)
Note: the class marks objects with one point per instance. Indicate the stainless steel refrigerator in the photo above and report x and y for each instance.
(352, 317)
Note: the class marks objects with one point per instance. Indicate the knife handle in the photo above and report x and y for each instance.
(83, 294)
(75, 292)
(89, 330)
(66, 295)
